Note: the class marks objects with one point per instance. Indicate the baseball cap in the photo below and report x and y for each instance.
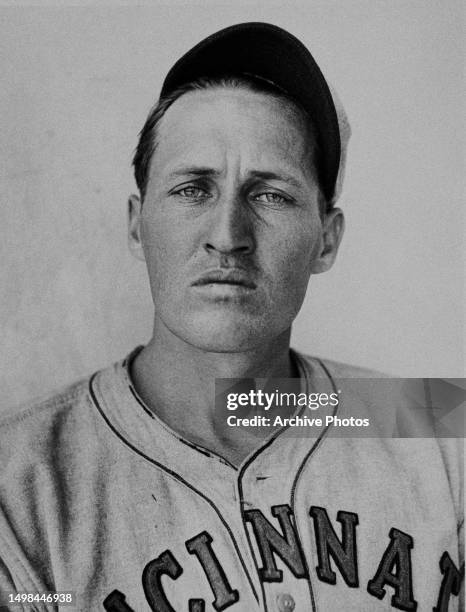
(269, 52)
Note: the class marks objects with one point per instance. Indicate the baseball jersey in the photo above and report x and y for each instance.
(99, 497)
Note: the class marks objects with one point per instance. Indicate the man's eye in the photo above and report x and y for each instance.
(191, 192)
(270, 197)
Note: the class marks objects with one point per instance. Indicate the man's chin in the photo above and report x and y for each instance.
(226, 333)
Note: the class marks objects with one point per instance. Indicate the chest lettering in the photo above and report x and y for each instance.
(336, 551)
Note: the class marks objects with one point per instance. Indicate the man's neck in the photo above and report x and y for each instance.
(177, 382)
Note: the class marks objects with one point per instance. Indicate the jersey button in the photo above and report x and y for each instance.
(285, 603)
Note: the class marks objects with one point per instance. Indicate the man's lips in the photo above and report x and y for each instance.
(220, 276)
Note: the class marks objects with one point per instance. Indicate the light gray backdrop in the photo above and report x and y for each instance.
(77, 83)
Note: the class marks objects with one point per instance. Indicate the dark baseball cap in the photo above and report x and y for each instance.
(267, 51)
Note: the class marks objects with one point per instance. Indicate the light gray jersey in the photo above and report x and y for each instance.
(99, 497)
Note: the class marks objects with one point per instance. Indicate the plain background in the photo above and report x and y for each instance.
(77, 83)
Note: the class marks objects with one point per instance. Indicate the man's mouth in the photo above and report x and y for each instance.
(220, 276)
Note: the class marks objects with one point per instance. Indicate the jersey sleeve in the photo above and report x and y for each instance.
(453, 452)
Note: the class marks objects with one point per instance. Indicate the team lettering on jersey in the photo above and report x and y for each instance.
(394, 571)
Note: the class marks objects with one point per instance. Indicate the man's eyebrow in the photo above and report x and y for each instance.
(193, 171)
(276, 176)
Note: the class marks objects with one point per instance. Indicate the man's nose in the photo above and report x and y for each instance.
(230, 230)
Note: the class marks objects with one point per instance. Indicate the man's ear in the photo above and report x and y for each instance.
(333, 226)
(134, 227)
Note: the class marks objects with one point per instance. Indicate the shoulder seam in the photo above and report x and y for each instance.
(23, 411)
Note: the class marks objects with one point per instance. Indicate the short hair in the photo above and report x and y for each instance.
(148, 135)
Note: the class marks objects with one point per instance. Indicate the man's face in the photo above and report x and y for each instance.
(230, 227)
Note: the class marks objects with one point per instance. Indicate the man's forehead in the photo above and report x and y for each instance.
(216, 101)
(264, 124)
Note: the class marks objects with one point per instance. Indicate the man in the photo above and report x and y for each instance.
(128, 489)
